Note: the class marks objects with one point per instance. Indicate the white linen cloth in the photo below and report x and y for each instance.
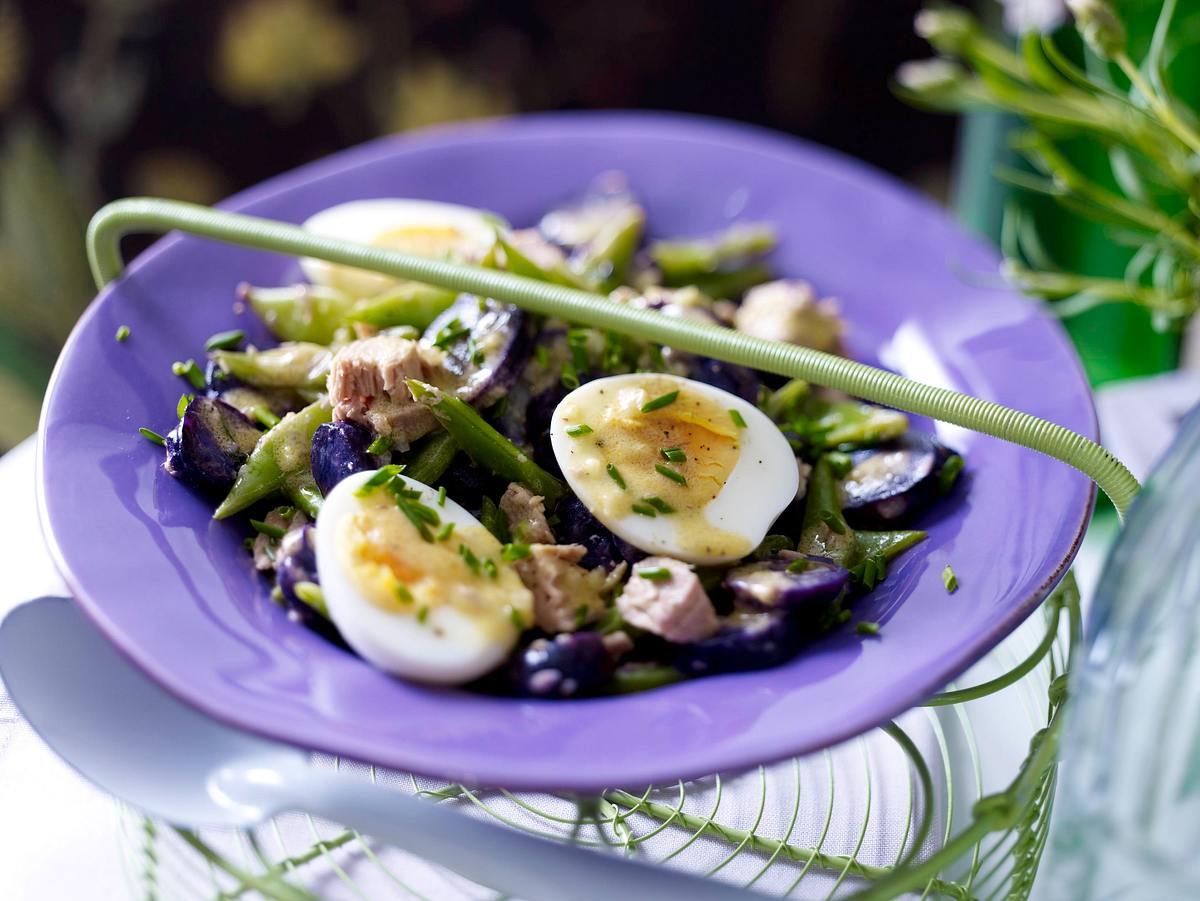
(59, 836)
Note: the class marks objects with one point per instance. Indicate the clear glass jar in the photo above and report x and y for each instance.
(1127, 820)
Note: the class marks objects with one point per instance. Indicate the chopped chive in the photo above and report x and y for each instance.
(423, 614)
(122, 332)
(189, 371)
(673, 454)
(184, 400)
(866, 628)
(949, 579)
(798, 566)
(834, 522)
(659, 504)
(381, 445)
(225, 340)
(839, 463)
(737, 419)
(644, 510)
(469, 558)
(581, 615)
(615, 475)
(670, 474)
(151, 435)
(441, 500)
(570, 376)
(578, 431)
(385, 474)
(516, 618)
(265, 528)
(664, 400)
(489, 567)
(542, 355)
(445, 531)
(449, 333)
(403, 593)
(655, 574)
(511, 552)
(264, 416)
(248, 544)
(949, 474)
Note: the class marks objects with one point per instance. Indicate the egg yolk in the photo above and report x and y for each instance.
(393, 566)
(423, 240)
(649, 458)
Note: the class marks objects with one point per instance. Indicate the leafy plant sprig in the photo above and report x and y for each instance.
(1150, 136)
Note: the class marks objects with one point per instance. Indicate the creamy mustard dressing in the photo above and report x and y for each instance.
(632, 441)
(393, 567)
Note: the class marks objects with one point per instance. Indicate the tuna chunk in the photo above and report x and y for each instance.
(788, 310)
(565, 595)
(676, 608)
(366, 385)
(526, 515)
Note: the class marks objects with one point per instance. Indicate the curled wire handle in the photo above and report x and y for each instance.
(137, 214)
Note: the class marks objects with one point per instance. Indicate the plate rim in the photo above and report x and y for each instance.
(702, 129)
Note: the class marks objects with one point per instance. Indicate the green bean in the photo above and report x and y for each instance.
(302, 312)
(430, 462)
(302, 489)
(484, 444)
(855, 423)
(291, 365)
(607, 258)
(409, 303)
(734, 283)
(825, 532)
(640, 677)
(518, 263)
(683, 261)
(888, 545)
(280, 454)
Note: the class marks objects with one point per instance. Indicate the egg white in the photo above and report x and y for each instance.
(365, 221)
(448, 648)
(762, 483)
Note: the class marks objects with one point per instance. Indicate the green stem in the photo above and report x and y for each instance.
(878, 386)
(269, 886)
(1161, 107)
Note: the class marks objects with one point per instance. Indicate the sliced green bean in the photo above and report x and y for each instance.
(302, 489)
(430, 462)
(854, 423)
(518, 263)
(294, 364)
(410, 303)
(311, 313)
(825, 532)
(888, 545)
(281, 453)
(630, 679)
(484, 444)
(607, 258)
(733, 283)
(681, 262)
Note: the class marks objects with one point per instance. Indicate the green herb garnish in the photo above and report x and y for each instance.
(643, 510)
(516, 618)
(673, 454)
(798, 565)
(449, 333)
(385, 475)
(655, 573)
(581, 615)
(615, 475)
(419, 514)
(671, 474)
(570, 376)
(512, 552)
(184, 400)
(866, 628)
(265, 417)
(737, 419)
(422, 615)
(381, 445)
(949, 579)
(151, 435)
(265, 528)
(225, 340)
(949, 474)
(659, 504)
(122, 332)
(403, 593)
(578, 431)
(469, 558)
(488, 565)
(441, 499)
(445, 531)
(659, 402)
(189, 371)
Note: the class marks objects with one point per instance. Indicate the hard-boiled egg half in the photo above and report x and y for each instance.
(674, 466)
(414, 583)
(422, 227)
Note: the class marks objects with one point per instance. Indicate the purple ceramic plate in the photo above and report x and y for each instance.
(174, 589)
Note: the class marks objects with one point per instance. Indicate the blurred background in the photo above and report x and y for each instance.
(104, 98)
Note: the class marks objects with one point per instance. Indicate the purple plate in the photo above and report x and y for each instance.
(174, 589)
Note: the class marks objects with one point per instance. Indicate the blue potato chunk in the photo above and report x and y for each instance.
(339, 449)
(569, 665)
(295, 562)
(576, 525)
(486, 343)
(889, 485)
(209, 445)
(729, 377)
(746, 641)
(787, 581)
